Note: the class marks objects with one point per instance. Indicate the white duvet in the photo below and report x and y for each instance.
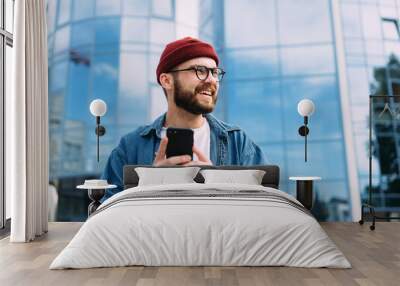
(185, 230)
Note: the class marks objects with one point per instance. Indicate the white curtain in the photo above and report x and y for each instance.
(27, 124)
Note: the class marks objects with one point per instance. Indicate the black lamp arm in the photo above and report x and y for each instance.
(100, 131)
(303, 131)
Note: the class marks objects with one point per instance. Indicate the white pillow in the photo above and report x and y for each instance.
(249, 177)
(166, 176)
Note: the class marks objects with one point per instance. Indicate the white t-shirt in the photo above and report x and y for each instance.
(201, 139)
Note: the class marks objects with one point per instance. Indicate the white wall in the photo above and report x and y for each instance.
(9, 71)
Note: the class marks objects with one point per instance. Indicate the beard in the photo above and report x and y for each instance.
(188, 100)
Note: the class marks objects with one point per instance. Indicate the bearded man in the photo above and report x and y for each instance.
(189, 74)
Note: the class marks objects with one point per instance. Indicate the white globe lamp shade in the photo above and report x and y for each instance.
(305, 107)
(98, 107)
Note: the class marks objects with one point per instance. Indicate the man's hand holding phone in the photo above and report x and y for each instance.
(203, 160)
(161, 157)
(177, 148)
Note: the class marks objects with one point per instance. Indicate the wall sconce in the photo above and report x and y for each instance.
(305, 108)
(98, 108)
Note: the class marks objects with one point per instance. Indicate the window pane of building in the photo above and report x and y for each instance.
(77, 101)
(351, 20)
(308, 60)
(73, 147)
(364, 186)
(158, 102)
(62, 40)
(390, 30)
(162, 8)
(388, 11)
(304, 21)
(275, 155)
(362, 153)
(248, 101)
(259, 28)
(51, 15)
(154, 58)
(358, 85)
(365, 1)
(161, 31)
(63, 11)
(133, 75)
(82, 35)
(133, 89)
(107, 32)
(50, 46)
(359, 116)
(354, 47)
(107, 7)
(327, 159)
(374, 48)
(207, 30)
(135, 7)
(187, 12)
(371, 22)
(83, 9)
(254, 63)
(395, 86)
(331, 201)
(58, 76)
(134, 30)
(392, 48)
(390, 3)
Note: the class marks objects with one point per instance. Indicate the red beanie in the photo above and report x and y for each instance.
(181, 51)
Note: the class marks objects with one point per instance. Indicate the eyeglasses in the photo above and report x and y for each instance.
(202, 72)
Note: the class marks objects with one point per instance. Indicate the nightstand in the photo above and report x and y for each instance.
(96, 190)
(304, 190)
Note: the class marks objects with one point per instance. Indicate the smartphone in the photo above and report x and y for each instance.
(180, 142)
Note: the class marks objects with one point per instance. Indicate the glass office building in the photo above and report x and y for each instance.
(275, 54)
(371, 40)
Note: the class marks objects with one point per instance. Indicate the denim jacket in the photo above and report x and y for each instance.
(229, 146)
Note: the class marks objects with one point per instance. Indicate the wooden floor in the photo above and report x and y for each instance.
(374, 255)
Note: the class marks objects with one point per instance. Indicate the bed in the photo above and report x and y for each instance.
(201, 224)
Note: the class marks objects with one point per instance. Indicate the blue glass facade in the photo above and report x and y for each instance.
(275, 54)
(271, 66)
(371, 39)
(108, 50)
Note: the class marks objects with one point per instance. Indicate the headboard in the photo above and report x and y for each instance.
(270, 179)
